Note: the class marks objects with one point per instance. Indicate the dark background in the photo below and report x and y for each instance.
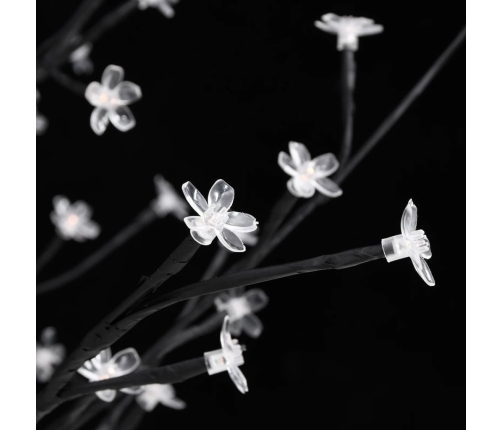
(226, 85)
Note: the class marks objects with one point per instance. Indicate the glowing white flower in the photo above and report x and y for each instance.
(80, 61)
(241, 309)
(168, 200)
(73, 221)
(228, 358)
(159, 393)
(111, 98)
(214, 219)
(348, 29)
(104, 366)
(41, 120)
(162, 5)
(410, 243)
(49, 354)
(309, 175)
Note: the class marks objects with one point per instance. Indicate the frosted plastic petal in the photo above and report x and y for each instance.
(133, 390)
(86, 373)
(166, 9)
(235, 327)
(125, 361)
(99, 120)
(241, 222)
(252, 326)
(409, 220)
(196, 223)
(307, 190)
(239, 379)
(230, 241)
(287, 164)
(106, 395)
(122, 118)
(299, 153)
(256, 298)
(369, 31)
(128, 92)
(61, 204)
(194, 198)
(81, 209)
(92, 93)
(225, 338)
(324, 165)
(221, 193)
(104, 356)
(422, 269)
(90, 230)
(203, 237)
(327, 187)
(174, 403)
(112, 76)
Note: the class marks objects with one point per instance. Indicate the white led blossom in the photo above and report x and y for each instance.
(168, 200)
(309, 175)
(80, 61)
(73, 220)
(111, 98)
(104, 366)
(49, 354)
(163, 6)
(41, 120)
(410, 243)
(154, 394)
(241, 309)
(348, 29)
(215, 220)
(228, 358)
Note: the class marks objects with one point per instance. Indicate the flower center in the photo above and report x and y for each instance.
(216, 216)
(307, 172)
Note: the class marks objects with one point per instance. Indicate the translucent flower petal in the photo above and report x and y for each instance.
(252, 326)
(61, 204)
(203, 237)
(99, 120)
(225, 338)
(307, 189)
(174, 403)
(422, 268)
(324, 165)
(196, 223)
(104, 356)
(299, 153)
(128, 92)
(106, 395)
(238, 378)
(370, 30)
(194, 198)
(409, 220)
(92, 93)
(327, 187)
(230, 241)
(235, 327)
(165, 8)
(89, 230)
(132, 390)
(241, 222)
(81, 209)
(48, 336)
(122, 118)
(86, 373)
(256, 298)
(125, 361)
(221, 193)
(112, 76)
(287, 164)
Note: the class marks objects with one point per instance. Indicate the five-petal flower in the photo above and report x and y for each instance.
(111, 98)
(348, 29)
(307, 174)
(410, 243)
(165, 6)
(168, 200)
(104, 366)
(241, 309)
(228, 358)
(154, 394)
(215, 219)
(73, 220)
(49, 354)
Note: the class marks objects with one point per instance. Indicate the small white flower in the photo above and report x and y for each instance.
(159, 393)
(163, 6)
(228, 358)
(410, 243)
(111, 98)
(41, 120)
(104, 366)
(214, 219)
(348, 29)
(307, 174)
(241, 310)
(168, 200)
(49, 354)
(73, 221)
(80, 61)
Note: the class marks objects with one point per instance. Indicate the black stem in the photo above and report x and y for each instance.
(145, 218)
(50, 251)
(131, 420)
(76, 87)
(112, 419)
(75, 414)
(172, 374)
(348, 82)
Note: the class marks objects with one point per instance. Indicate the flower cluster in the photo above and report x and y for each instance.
(73, 220)
(168, 200)
(154, 394)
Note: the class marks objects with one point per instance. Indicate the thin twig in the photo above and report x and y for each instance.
(76, 87)
(348, 82)
(50, 251)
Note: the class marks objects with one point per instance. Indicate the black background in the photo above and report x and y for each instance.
(226, 85)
